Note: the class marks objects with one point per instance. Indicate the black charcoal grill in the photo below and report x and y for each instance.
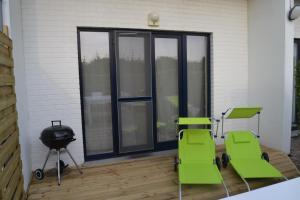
(56, 137)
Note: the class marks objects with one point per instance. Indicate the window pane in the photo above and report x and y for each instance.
(136, 126)
(133, 65)
(294, 83)
(196, 75)
(96, 92)
(166, 68)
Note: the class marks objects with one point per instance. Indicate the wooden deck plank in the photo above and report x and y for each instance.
(148, 178)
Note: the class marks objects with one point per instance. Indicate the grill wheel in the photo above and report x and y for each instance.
(39, 174)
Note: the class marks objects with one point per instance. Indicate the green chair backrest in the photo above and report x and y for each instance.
(196, 145)
(242, 145)
(194, 121)
(237, 113)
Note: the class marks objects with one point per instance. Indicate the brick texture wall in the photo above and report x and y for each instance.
(51, 59)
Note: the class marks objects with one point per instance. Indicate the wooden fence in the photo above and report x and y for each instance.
(11, 179)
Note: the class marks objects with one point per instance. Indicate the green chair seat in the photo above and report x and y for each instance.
(245, 156)
(255, 168)
(242, 144)
(199, 173)
(197, 155)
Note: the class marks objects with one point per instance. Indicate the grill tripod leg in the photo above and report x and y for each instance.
(58, 166)
(74, 161)
(44, 165)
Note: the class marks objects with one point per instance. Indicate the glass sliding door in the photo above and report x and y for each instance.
(136, 127)
(196, 59)
(134, 91)
(96, 92)
(135, 84)
(166, 75)
(133, 65)
(295, 61)
(296, 96)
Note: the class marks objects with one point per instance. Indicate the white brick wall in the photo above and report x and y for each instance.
(51, 59)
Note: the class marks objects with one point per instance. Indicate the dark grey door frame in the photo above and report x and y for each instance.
(114, 95)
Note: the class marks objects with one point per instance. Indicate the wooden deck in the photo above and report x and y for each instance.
(146, 178)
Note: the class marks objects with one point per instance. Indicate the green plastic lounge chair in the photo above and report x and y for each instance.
(243, 151)
(197, 162)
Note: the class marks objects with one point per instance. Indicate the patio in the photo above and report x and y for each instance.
(145, 178)
(120, 73)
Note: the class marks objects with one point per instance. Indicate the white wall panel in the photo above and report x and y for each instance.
(51, 59)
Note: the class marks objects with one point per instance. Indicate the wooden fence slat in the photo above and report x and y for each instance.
(4, 113)
(19, 191)
(4, 50)
(11, 179)
(5, 40)
(6, 91)
(8, 148)
(6, 80)
(5, 70)
(24, 196)
(6, 61)
(7, 133)
(6, 123)
(12, 185)
(10, 167)
(7, 101)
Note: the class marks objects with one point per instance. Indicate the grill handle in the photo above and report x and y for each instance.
(55, 122)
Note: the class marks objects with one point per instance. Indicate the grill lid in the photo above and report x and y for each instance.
(57, 132)
(57, 135)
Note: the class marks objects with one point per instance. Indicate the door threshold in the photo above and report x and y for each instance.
(129, 158)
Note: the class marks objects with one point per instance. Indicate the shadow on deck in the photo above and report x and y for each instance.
(146, 178)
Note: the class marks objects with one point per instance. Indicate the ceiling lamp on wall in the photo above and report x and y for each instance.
(294, 12)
